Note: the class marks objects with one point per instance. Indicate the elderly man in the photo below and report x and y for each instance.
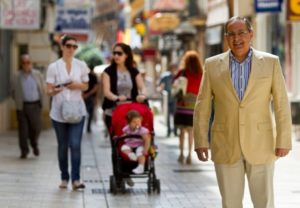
(27, 91)
(247, 87)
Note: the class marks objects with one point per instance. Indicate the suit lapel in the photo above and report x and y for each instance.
(225, 73)
(256, 66)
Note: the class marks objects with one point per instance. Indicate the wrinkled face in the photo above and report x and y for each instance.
(135, 123)
(69, 48)
(239, 39)
(26, 64)
(119, 56)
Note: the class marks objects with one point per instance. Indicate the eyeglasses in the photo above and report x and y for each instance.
(118, 53)
(241, 33)
(68, 46)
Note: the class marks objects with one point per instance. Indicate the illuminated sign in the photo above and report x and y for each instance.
(268, 5)
(293, 10)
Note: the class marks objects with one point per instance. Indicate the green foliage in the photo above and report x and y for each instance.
(90, 54)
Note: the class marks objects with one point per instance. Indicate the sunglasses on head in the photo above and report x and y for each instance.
(119, 53)
(68, 45)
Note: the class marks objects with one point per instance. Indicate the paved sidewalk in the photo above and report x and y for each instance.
(33, 183)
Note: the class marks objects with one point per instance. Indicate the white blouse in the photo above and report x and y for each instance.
(57, 74)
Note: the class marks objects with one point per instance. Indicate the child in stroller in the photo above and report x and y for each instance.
(133, 149)
(136, 149)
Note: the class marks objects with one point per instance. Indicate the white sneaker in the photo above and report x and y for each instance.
(132, 156)
(139, 169)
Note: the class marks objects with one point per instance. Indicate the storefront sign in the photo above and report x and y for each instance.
(293, 10)
(268, 5)
(72, 20)
(163, 22)
(169, 5)
(20, 14)
(72, 3)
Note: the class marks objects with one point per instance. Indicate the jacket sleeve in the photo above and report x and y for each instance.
(281, 109)
(202, 112)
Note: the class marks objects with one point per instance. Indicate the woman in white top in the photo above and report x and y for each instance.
(66, 79)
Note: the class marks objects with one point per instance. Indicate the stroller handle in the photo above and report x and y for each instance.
(129, 100)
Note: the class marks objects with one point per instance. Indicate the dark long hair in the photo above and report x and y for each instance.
(129, 63)
(191, 62)
(65, 38)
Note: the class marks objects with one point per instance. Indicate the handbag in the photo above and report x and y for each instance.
(179, 87)
(72, 111)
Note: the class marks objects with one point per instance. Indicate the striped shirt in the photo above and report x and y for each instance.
(240, 73)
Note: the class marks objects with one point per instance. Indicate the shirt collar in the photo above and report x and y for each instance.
(247, 60)
(26, 74)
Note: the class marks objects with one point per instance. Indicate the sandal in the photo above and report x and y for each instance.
(77, 185)
(180, 158)
(63, 184)
(189, 160)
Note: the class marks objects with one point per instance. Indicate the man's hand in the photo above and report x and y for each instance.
(280, 152)
(202, 153)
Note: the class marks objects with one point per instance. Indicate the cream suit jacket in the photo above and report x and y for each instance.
(244, 127)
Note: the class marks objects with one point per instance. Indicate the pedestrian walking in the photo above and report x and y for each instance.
(90, 96)
(191, 74)
(66, 79)
(165, 83)
(247, 87)
(28, 88)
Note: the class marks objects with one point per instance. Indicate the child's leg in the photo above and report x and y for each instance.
(141, 160)
(128, 151)
(140, 155)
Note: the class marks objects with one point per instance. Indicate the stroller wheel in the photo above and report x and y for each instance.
(113, 184)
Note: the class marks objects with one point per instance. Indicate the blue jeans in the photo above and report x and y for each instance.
(69, 135)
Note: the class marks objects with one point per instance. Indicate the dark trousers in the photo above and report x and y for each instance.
(170, 114)
(90, 106)
(29, 125)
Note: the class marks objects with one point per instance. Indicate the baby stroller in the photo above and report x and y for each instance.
(122, 165)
